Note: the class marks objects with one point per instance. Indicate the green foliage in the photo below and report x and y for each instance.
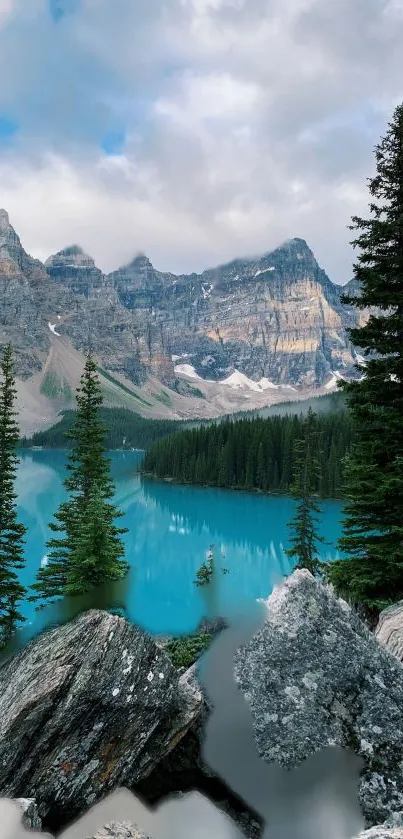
(327, 403)
(55, 388)
(124, 429)
(306, 476)
(97, 551)
(87, 550)
(123, 387)
(11, 531)
(206, 572)
(372, 574)
(251, 454)
(184, 651)
(186, 389)
(163, 397)
(195, 391)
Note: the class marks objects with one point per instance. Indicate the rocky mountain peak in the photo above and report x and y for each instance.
(296, 243)
(9, 241)
(296, 249)
(11, 250)
(75, 270)
(138, 274)
(141, 261)
(274, 316)
(73, 256)
(4, 221)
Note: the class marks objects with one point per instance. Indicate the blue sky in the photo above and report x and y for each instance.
(8, 129)
(60, 8)
(194, 130)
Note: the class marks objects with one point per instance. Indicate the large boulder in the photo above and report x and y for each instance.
(389, 630)
(85, 708)
(119, 830)
(123, 830)
(313, 677)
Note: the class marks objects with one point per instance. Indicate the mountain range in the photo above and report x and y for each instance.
(245, 334)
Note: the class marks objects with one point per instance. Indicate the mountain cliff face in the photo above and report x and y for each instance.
(276, 319)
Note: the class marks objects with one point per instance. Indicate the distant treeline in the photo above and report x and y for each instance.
(253, 454)
(328, 402)
(125, 430)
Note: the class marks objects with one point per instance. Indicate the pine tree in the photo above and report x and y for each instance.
(206, 579)
(206, 573)
(261, 471)
(306, 470)
(372, 572)
(98, 541)
(12, 532)
(87, 550)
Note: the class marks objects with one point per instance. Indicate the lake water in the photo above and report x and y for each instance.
(170, 530)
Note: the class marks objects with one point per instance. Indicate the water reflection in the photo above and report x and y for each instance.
(170, 530)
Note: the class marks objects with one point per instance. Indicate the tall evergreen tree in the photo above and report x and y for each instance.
(88, 550)
(306, 471)
(372, 573)
(12, 532)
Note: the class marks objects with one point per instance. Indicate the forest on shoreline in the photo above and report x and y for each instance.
(252, 454)
(127, 430)
(124, 430)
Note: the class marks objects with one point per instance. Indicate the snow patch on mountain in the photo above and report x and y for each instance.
(264, 270)
(266, 384)
(187, 370)
(206, 290)
(238, 380)
(333, 381)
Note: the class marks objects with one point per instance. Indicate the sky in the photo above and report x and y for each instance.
(196, 131)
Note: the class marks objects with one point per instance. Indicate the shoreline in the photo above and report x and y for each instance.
(250, 490)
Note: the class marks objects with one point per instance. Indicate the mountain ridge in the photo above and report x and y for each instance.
(275, 318)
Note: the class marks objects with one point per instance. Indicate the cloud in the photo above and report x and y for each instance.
(194, 130)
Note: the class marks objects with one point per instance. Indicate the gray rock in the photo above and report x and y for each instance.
(277, 316)
(212, 626)
(85, 708)
(119, 830)
(382, 833)
(389, 630)
(30, 815)
(313, 677)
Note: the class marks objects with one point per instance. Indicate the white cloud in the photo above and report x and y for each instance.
(6, 7)
(216, 96)
(246, 123)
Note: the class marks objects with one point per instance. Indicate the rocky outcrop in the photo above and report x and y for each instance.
(314, 676)
(119, 830)
(86, 708)
(11, 250)
(277, 318)
(382, 833)
(389, 630)
(96, 705)
(127, 831)
(75, 269)
(30, 815)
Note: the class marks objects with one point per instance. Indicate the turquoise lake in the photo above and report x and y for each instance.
(170, 531)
